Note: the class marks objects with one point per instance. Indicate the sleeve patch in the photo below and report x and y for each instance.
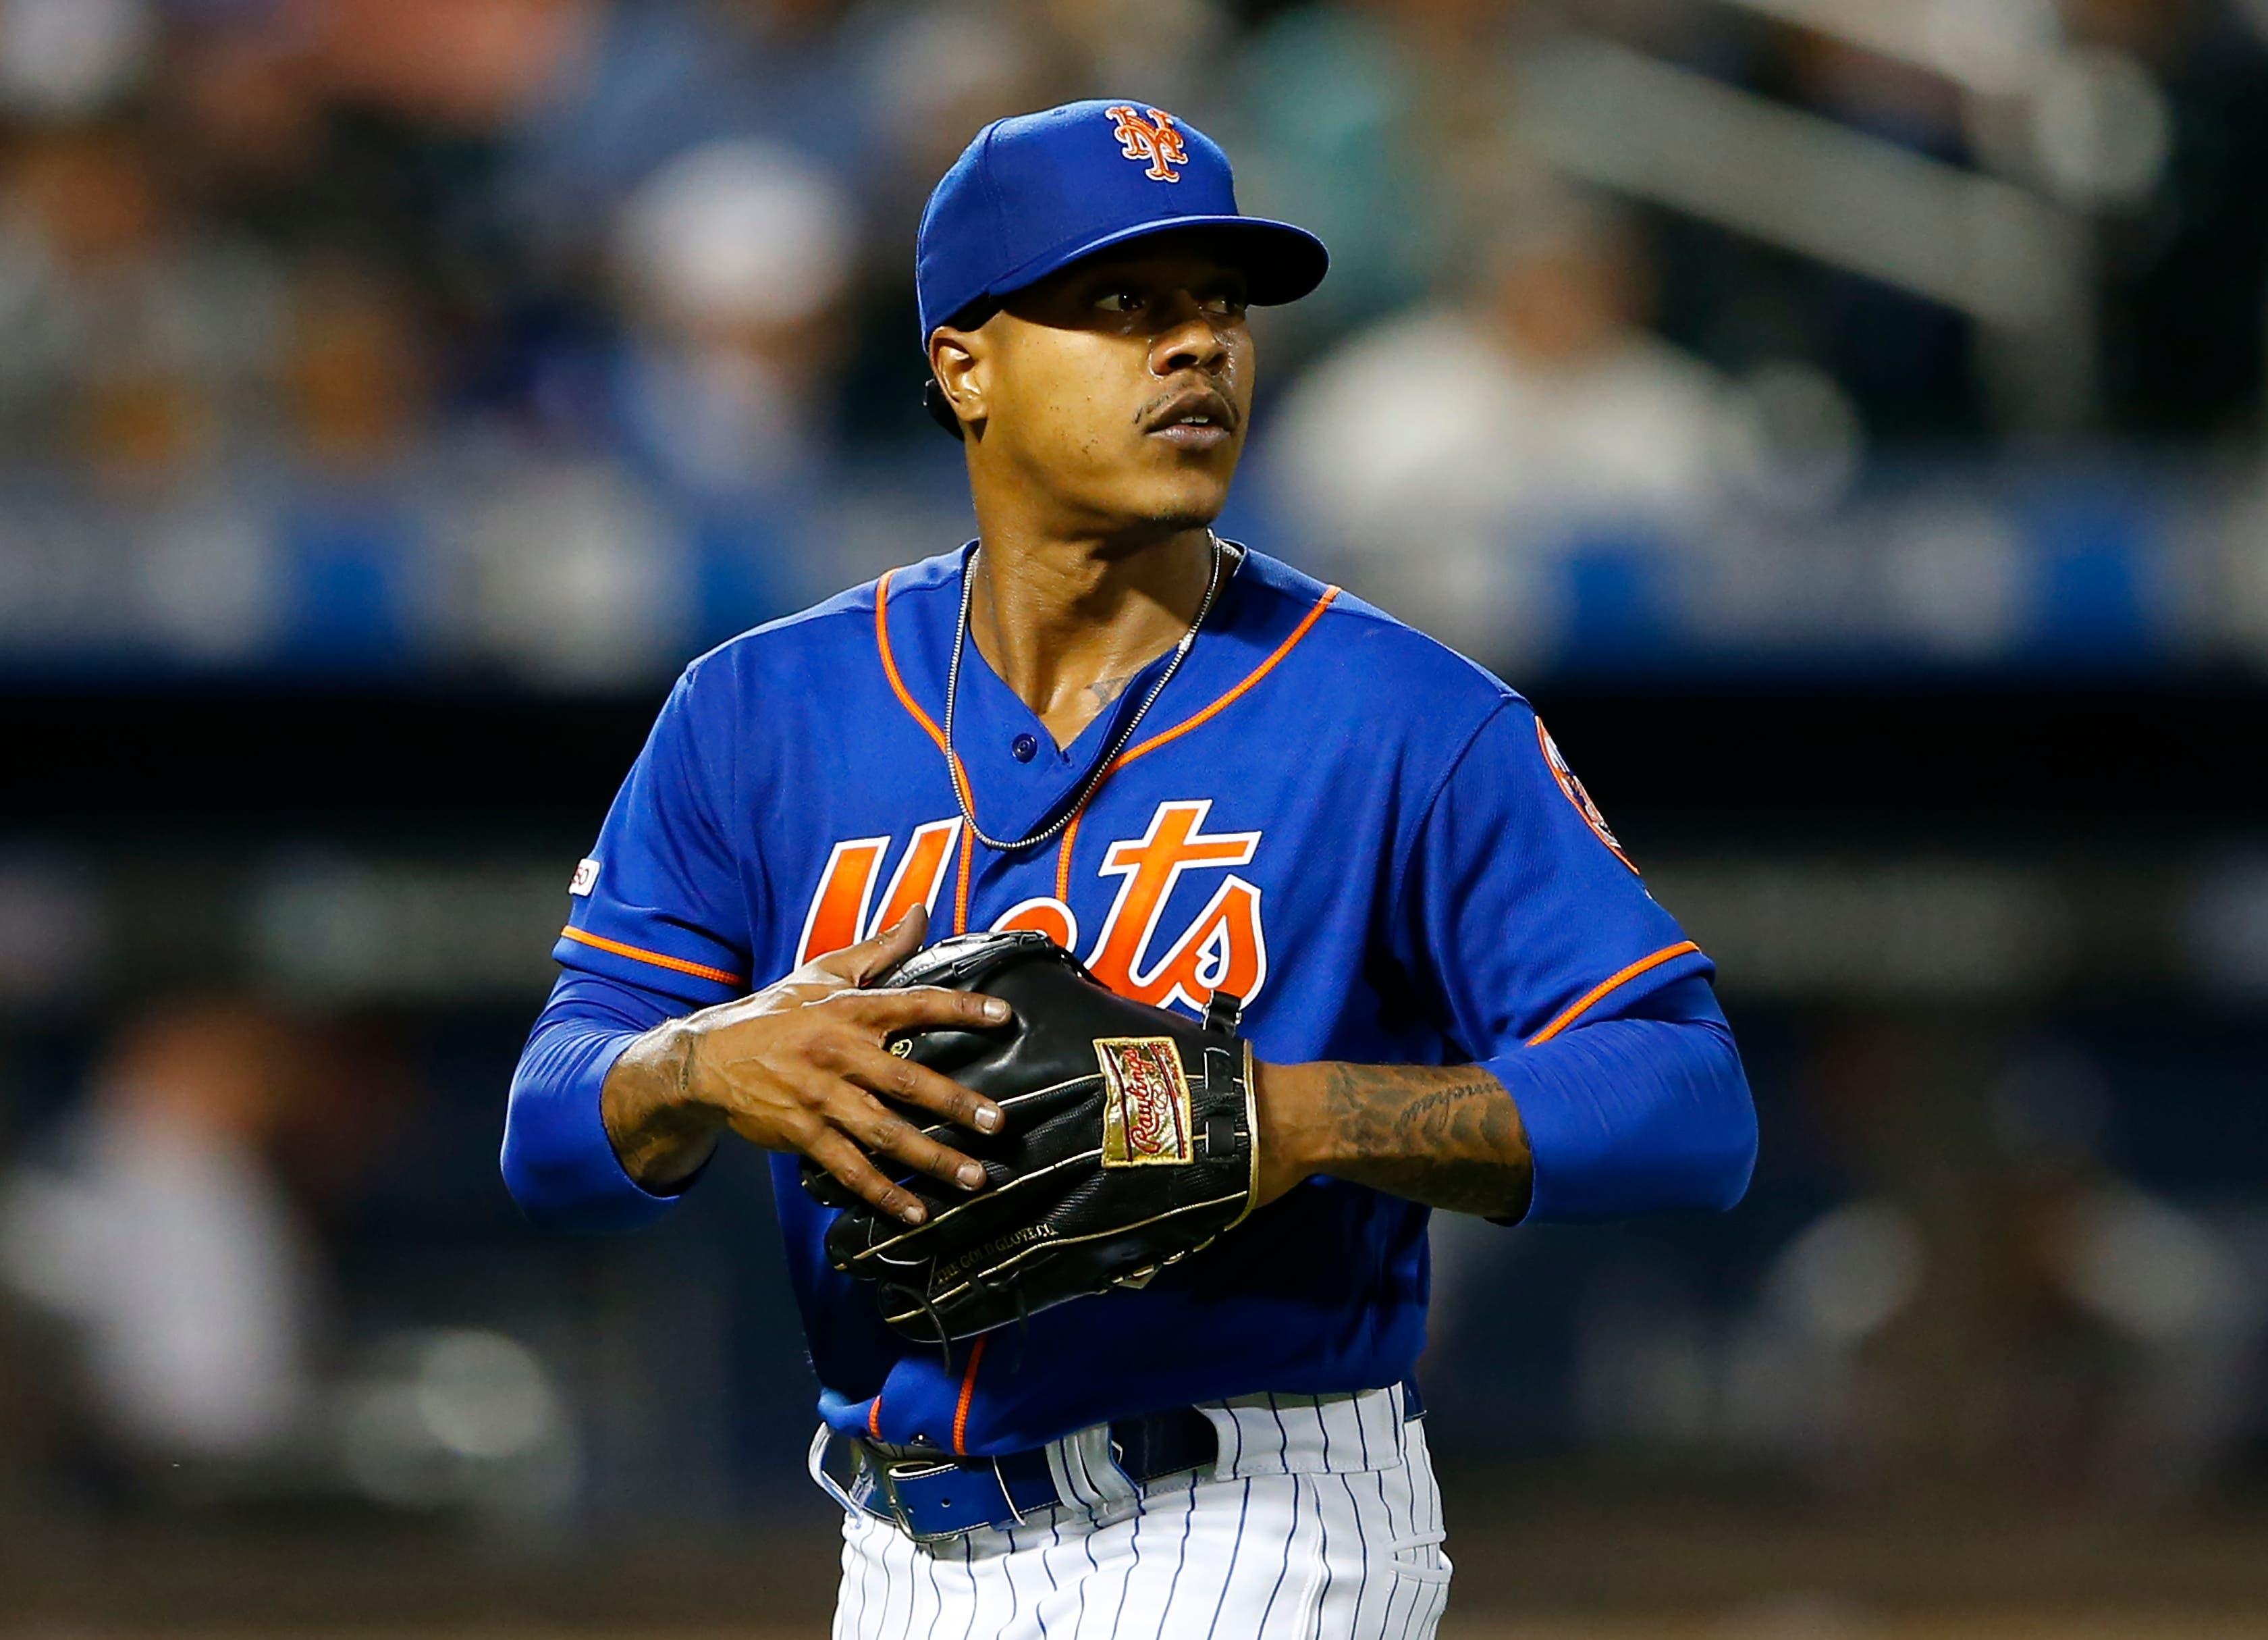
(1572, 788)
(586, 879)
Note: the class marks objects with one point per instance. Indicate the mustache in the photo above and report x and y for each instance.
(1200, 399)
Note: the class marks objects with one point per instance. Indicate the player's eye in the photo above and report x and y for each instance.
(1119, 301)
(1225, 305)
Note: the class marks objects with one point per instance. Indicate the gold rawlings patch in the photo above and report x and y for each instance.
(1145, 1107)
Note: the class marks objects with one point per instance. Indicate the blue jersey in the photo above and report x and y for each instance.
(1371, 839)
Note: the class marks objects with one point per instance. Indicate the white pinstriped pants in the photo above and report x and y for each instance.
(1321, 1521)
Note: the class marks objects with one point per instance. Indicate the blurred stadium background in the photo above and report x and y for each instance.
(1843, 418)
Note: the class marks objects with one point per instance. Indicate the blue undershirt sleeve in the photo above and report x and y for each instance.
(558, 1163)
(1640, 1113)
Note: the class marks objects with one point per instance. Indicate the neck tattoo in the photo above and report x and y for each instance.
(1106, 690)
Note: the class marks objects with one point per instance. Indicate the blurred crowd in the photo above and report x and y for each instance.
(184, 1321)
(547, 321)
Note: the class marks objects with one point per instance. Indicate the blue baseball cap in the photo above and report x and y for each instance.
(1035, 192)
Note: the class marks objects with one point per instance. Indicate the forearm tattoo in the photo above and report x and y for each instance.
(647, 1113)
(1448, 1135)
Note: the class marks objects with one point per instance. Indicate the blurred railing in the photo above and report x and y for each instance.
(556, 573)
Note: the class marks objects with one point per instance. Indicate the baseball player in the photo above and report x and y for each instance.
(1203, 774)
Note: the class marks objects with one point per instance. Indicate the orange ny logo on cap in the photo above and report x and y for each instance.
(1153, 139)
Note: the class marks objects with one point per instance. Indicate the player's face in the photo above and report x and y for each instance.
(1119, 387)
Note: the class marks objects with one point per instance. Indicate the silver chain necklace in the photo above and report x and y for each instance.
(1102, 765)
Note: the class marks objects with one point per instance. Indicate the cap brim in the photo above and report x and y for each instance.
(1280, 262)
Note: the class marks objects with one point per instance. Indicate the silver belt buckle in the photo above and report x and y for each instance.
(887, 1475)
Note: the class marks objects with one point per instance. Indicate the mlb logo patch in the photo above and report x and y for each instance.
(585, 878)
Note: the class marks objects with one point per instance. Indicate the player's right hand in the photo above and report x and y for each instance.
(796, 1066)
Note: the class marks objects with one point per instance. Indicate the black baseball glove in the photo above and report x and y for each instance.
(1129, 1143)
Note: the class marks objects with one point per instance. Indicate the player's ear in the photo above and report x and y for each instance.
(956, 359)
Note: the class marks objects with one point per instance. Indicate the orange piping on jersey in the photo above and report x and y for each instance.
(874, 1417)
(699, 970)
(968, 1391)
(1576, 1009)
(1070, 831)
(960, 889)
(890, 662)
(913, 708)
(1063, 859)
(1250, 679)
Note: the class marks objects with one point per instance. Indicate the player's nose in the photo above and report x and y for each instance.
(1188, 337)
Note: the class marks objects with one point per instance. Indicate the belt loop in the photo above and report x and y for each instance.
(827, 1482)
(1086, 1472)
(1006, 1495)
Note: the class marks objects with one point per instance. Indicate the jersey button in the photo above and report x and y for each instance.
(1025, 747)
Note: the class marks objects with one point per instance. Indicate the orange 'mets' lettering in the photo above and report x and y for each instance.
(838, 915)
(1224, 947)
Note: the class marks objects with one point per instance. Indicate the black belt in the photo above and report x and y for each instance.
(942, 1498)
